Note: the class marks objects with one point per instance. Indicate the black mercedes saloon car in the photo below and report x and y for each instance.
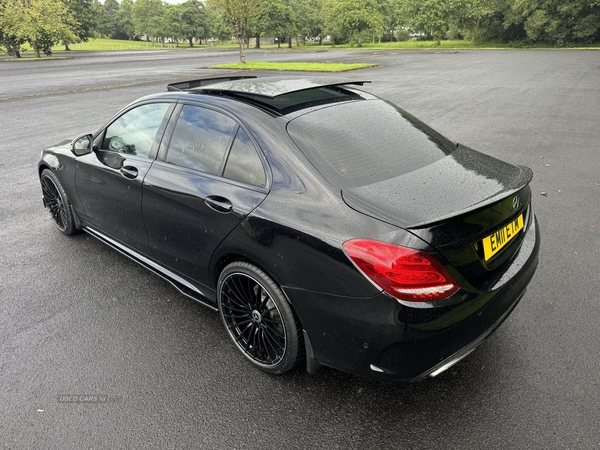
(325, 225)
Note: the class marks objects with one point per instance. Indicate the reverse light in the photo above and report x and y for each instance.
(402, 272)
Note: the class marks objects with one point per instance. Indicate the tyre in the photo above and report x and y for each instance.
(258, 318)
(57, 202)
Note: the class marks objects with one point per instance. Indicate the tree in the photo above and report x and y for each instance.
(85, 14)
(125, 19)
(220, 27)
(309, 19)
(41, 22)
(472, 12)
(210, 19)
(239, 14)
(108, 23)
(393, 18)
(13, 45)
(171, 25)
(352, 17)
(193, 20)
(260, 24)
(146, 18)
(432, 16)
(555, 21)
(274, 18)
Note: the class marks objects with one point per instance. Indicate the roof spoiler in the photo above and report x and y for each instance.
(192, 84)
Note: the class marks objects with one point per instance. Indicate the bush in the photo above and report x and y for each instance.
(402, 35)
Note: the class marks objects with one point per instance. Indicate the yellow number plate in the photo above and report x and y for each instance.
(494, 243)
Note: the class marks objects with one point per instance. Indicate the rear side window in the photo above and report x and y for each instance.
(359, 143)
(243, 163)
(201, 139)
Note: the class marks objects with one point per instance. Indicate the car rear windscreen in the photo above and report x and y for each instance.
(358, 143)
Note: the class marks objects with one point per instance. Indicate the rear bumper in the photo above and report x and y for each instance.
(379, 338)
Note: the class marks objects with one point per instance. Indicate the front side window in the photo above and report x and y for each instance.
(135, 131)
(201, 139)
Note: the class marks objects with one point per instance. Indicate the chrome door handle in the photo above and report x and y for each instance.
(219, 204)
(129, 172)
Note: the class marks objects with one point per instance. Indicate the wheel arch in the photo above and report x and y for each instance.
(43, 166)
(72, 223)
(231, 257)
(224, 260)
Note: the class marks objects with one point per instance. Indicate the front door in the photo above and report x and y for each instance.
(109, 180)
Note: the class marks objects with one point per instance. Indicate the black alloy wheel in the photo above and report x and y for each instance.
(57, 202)
(258, 318)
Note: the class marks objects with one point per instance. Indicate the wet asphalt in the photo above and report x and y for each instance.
(156, 369)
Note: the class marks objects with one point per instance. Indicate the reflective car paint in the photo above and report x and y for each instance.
(294, 230)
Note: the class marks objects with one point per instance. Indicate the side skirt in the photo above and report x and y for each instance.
(182, 285)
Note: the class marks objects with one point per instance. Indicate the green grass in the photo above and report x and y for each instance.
(432, 45)
(95, 45)
(417, 45)
(300, 66)
(107, 45)
(459, 45)
(102, 44)
(28, 58)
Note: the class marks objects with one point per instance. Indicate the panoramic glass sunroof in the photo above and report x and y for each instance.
(286, 103)
(282, 94)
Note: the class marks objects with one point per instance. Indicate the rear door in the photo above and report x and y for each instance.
(208, 177)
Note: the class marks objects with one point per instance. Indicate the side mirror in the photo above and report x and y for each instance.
(82, 145)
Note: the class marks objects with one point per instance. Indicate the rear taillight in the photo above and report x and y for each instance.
(402, 272)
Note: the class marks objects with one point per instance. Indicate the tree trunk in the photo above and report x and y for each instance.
(36, 49)
(290, 42)
(257, 41)
(359, 40)
(242, 38)
(475, 30)
(191, 39)
(67, 49)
